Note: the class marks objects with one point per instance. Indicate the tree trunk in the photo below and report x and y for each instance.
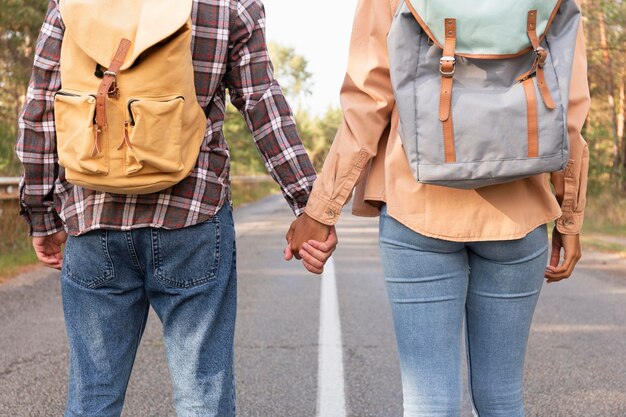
(621, 128)
(608, 79)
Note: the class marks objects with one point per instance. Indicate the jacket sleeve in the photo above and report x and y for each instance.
(367, 103)
(36, 143)
(570, 185)
(259, 98)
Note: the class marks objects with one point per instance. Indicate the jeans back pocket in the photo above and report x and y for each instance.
(187, 257)
(87, 261)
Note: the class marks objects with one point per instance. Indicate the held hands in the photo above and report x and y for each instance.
(572, 254)
(311, 241)
(48, 249)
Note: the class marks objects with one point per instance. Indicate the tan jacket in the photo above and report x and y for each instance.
(367, 154)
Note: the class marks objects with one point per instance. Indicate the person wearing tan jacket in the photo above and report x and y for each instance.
(448, 255)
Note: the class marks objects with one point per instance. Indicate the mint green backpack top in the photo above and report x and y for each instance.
(482, 87)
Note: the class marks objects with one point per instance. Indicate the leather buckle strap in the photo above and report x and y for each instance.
(541, 55)
(447, 68)
(108, 88)
(113, 90)
(532, 121)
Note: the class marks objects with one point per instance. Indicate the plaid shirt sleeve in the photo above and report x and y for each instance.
(258, 97)
(36, 144)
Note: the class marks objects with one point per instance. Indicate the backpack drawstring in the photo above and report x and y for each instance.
(96, 145)
(126, 138)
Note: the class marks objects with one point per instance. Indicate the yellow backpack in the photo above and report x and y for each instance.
(127, 118)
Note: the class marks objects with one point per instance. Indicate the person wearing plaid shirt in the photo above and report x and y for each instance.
(173, 250)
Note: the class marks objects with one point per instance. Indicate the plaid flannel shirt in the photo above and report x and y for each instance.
(229, 52)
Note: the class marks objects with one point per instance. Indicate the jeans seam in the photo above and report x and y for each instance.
(138, 341)
(155, 250)
(110, 273)
(530, 257)
(133, 252)
(469, 366)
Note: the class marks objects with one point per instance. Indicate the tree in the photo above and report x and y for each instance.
(606, 46)
(20, 21)
(291, 71)
(317, 133)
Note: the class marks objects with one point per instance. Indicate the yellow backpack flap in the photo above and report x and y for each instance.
(127, 118)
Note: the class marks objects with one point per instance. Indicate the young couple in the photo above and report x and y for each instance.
(449, 255)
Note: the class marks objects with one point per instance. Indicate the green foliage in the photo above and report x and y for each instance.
(290, 69)
(245, 159)
(9, 164)
(248, 192)
(605, 213)
(20, 21)
(317, 133)
(604, 22)
(15, 245)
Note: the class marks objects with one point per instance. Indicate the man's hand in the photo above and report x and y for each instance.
(311, 241)
(48, 249)
(572, 254)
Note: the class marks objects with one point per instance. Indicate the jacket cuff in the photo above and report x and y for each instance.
(323, 210)
(570, 223)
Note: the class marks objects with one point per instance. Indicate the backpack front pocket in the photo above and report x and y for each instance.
(154, 136)
(74, 117)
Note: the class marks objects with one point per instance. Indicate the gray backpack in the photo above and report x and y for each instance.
(482, 87)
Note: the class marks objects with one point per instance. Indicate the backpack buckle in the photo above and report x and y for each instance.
(447, 66)
(113, 90)
(542, 56)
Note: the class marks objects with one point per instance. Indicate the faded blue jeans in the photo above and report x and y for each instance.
(433, 287)
(109, 281)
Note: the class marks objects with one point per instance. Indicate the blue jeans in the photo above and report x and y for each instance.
(109, 281)
(433, 287)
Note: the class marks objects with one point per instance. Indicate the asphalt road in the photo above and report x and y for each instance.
(575, 365)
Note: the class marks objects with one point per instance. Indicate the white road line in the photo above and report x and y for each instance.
(331, 400)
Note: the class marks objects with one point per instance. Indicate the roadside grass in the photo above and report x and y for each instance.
(12, 264)
(603, 246)
(16, 252)
(605, 213)
(604, 228)
(15, 247)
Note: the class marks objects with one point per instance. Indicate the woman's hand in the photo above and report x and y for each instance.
(571, 255)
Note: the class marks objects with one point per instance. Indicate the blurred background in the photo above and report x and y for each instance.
(309, 53)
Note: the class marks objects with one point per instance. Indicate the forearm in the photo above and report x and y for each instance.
(367, 103)
(571, 184)
(259, 98)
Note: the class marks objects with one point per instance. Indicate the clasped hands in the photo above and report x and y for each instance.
(307, 239)
(310, 241)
